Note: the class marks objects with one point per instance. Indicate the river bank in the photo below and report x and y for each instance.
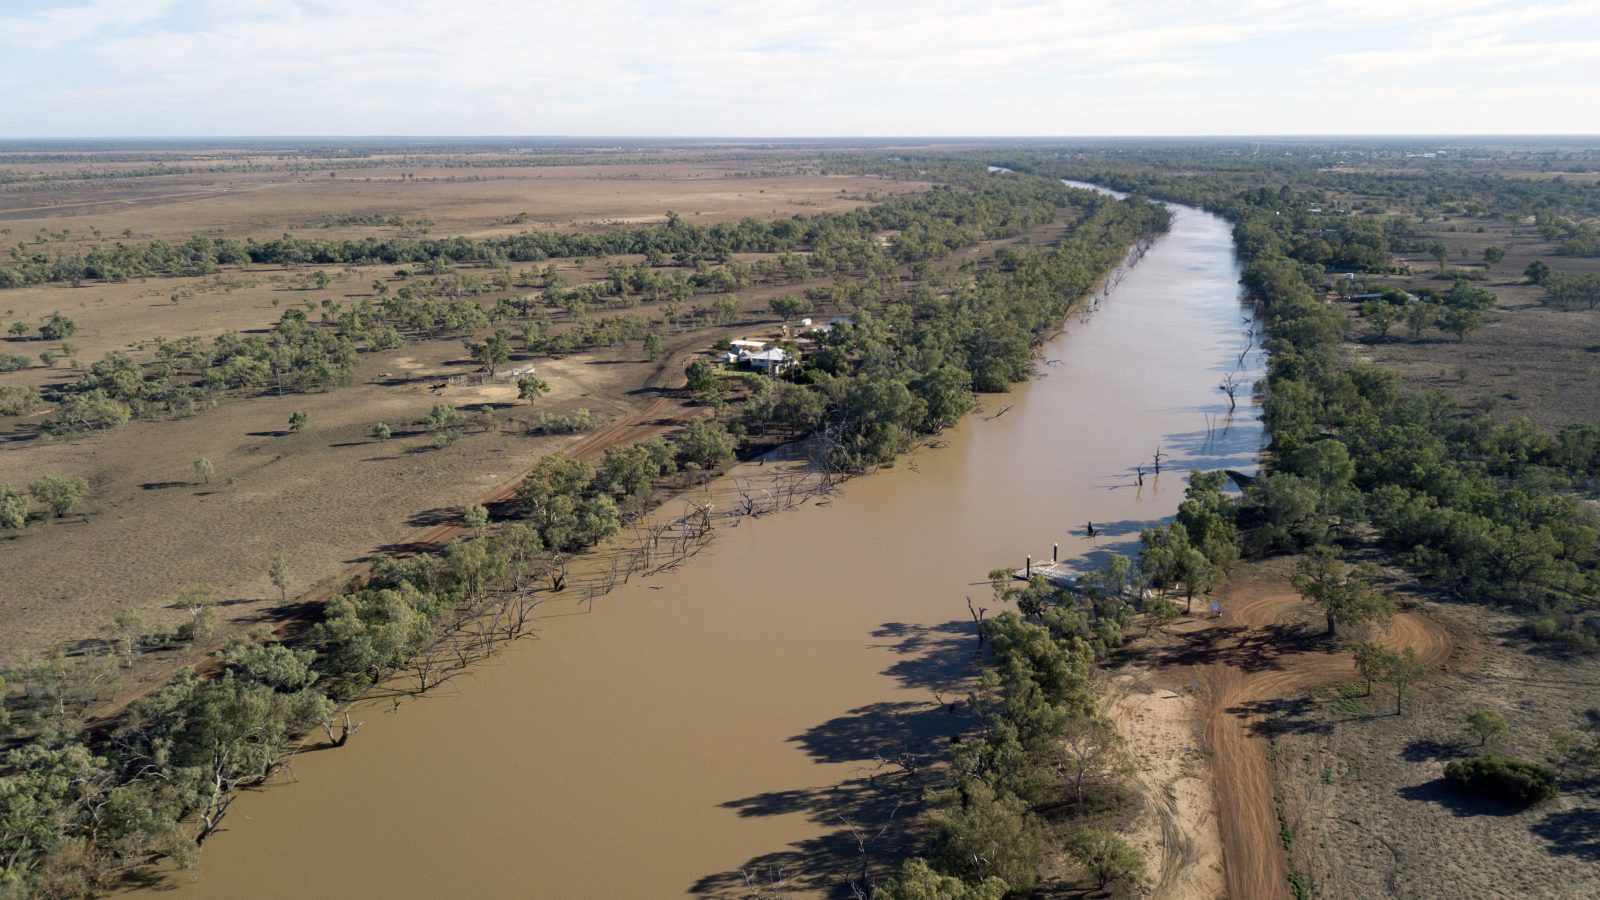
(728, 717)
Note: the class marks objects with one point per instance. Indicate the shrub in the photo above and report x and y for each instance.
(16, 400)
(575, 422)
(1106, 856)
(1507, 780)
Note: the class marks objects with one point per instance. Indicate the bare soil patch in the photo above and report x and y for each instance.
(1265, 646)
(1176, 829)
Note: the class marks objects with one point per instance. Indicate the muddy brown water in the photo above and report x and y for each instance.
(723, 720)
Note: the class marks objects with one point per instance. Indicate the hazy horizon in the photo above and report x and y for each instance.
(134, 69)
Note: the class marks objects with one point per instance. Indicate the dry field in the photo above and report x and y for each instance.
(1363, 788)
(1528, 360)
(266, 199)
(331, 495)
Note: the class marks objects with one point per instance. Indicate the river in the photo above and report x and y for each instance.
(725, 720)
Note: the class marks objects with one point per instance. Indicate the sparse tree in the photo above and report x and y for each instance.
(652, 346)
(18, 329)
(790, 307)
(204, 469)
(298, 420)
(1159, 613)
(197, 600)
(531, 388)
(1420, 315)
(1492, 256)
(1537, 272)
(1486, 725)
(702, 377)
(1441, 253)
(1372, 662)
(13, 508)
(1090, 748)
(492, 353)
(57, 328)
(1572, 750)
(476, 517)
(1405, 668)
(917, 880)
(1106, 856)
(1342, 591)
(125, 631)
(1461, 322)
(1381, 315)
(60, 494)
(704, 443)
(279, 572)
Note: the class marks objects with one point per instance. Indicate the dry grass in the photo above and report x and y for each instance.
(1364, 794)
(1529, 359)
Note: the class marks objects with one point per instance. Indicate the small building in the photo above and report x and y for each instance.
(772, 361)
(748, 346)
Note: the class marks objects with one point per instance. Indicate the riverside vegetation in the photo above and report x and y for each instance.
(81, 808)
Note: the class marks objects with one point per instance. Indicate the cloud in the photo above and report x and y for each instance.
(803, 67)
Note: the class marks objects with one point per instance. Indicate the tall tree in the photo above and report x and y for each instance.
(1343, 592)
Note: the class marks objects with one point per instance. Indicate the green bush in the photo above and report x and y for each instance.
(1507, 780)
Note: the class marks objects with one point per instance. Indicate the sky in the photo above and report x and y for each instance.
(146, 68)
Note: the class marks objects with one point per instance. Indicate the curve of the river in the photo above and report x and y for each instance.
(725, 720)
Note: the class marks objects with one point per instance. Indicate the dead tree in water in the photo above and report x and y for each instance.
(1159, 457)
(977, 614)
(344, 735)
(1229, 386)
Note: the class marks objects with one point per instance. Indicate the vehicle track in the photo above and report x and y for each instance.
(1260, 651)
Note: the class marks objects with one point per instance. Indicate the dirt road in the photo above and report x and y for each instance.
(1260, 650)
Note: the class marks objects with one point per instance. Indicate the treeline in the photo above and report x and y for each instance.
(1483, 507)
(188, 374)
(79, 810)
(1330, 176)
(906, 369)
(1044, 763)
(928, 224)
(1041, 752)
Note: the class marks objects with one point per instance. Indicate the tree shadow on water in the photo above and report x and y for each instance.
(870, 823)
(941, 658)
(869, 818)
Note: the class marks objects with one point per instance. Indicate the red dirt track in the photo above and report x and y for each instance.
(1258, 651)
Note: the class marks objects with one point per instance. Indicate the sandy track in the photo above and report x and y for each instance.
(1259, 651)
